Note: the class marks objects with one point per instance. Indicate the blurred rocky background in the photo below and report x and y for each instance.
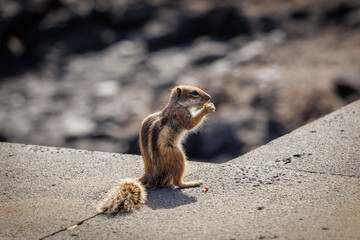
(84, 73)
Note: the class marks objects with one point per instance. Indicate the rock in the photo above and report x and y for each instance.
(208, 51)
(220, 67)
(125, 14)
(301, 14)
(293, 114)
(17, 100)
(100, 67)
(31, 30)
(159, 31)
(267, 24)
(75, 126)
(222, 22)
(106, 89)
(347, 85)
(225, 21)
(353, 19)
(337, 14)
(266, 75)
(277, 37)
(168, 63)
(214, 142)
(249, 51)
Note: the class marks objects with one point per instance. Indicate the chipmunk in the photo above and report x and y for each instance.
(160, 140)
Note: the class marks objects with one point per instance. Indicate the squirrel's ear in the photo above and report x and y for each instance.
(178, 90)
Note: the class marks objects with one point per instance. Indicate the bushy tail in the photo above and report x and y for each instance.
(126, 196)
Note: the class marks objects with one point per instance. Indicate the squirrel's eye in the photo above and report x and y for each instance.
(195, 94)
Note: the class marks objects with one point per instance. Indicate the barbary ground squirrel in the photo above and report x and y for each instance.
(160, 140)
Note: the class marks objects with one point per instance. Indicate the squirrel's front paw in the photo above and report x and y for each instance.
(209, 108)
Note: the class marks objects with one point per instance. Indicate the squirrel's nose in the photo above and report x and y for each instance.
(207, 97)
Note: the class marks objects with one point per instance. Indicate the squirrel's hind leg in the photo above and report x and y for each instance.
(195, 183)
(178, 159)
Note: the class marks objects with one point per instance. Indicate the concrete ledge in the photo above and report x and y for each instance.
(305, 185)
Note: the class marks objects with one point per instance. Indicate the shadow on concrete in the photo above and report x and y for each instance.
(168, 198)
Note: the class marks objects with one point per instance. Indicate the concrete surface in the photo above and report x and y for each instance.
(305, 185)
